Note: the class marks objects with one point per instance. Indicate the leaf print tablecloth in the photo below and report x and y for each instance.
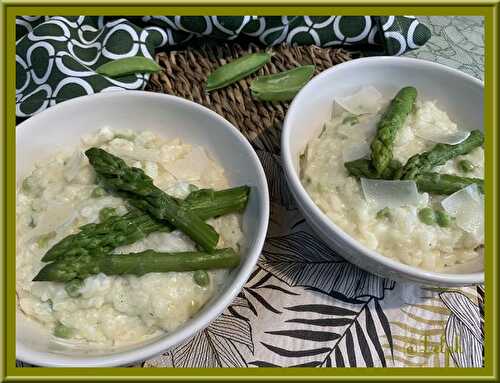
(56, 57)
(304, 305)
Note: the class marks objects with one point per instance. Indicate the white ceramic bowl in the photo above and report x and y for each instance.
(62, 126)
(459, 94)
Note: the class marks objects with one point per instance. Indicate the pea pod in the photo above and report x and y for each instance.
(128, 65)
(281, 86)
(236, 70)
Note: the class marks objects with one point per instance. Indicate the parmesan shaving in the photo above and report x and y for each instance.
(366, 100)
(392, 194)
(450, 139)
(355, 151)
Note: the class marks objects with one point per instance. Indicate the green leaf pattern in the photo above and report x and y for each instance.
(456, 41)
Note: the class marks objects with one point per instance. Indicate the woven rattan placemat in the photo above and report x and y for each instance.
(186, 71)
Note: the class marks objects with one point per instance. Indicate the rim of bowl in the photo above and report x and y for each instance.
(301, 193)
(222, 301)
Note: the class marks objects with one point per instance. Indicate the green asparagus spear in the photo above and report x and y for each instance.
(364, 168)
(68, 268)
(207, 203)
(106, 236)
(426, 182)
(136, 225)
(361, 168)
(445, 183)
(388, 126)
(117, 176)
(439, 155)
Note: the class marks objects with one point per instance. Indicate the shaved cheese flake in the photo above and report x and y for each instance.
(365, 128)
(355, 151)
(328, 127)
(467, 206)
(338, 111)
(392, 194)
(404, 136)
(434, 125)
(450, 139)
(136, 153)
(366, 100)
(179, 189)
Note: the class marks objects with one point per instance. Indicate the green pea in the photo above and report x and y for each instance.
(201, 278)
(27, 185)
(442, 219)
(44, 239)
(62, 331)
(106, 212)
(122, 225)
(31, 187)
(282, 86)
(353, 120)
(427, 216)
(465, 166)
(385, 213)
(236, 70)
(73, 287)
(128, 65)
(98, 192)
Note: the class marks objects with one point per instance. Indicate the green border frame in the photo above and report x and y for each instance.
(489, 9)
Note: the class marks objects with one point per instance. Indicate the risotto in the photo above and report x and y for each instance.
(60, 195)
(421, 228)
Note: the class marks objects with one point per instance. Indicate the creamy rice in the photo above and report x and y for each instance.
(404, 237)
(114, 310)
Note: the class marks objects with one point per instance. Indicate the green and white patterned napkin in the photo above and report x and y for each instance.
(56, 57)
